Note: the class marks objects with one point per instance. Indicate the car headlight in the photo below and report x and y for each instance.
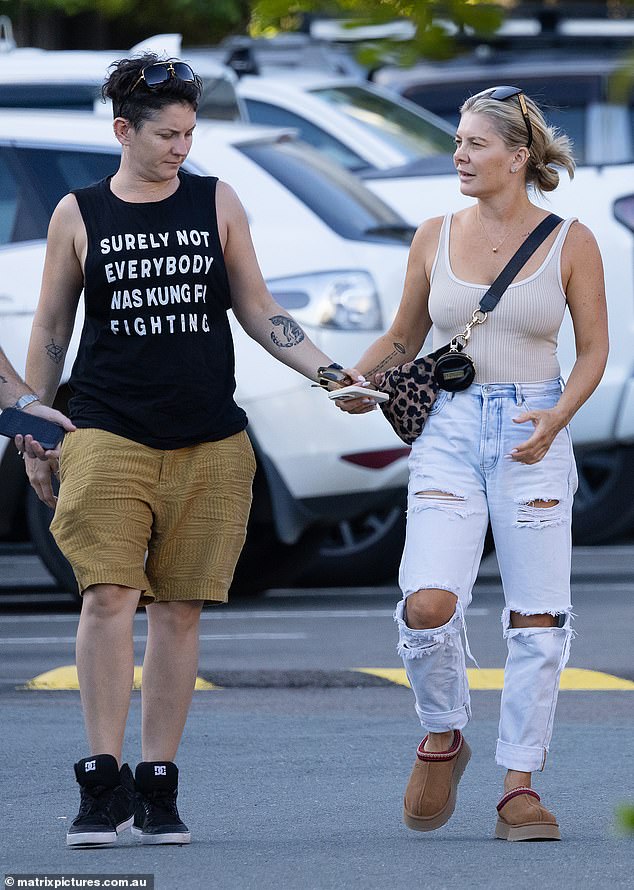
(345, 301)
(624, 211)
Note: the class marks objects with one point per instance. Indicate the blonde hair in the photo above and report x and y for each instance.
(549, 149)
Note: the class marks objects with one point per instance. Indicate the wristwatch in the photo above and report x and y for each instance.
(25, 400)
(330, 374)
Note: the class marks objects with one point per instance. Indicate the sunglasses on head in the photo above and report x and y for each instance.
(160, 72)
(505, 92)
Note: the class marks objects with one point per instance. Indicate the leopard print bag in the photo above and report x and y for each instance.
(412, 388)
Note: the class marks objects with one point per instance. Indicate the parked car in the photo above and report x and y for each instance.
(359, 125)
(331, 252)
(369, 130)
(37, 78)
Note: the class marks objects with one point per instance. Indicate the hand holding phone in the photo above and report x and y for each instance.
(346, 393)
(14, 422)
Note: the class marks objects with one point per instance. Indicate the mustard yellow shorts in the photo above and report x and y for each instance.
(168, 523)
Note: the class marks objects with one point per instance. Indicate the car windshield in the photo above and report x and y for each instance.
(405, 129)
(564, 101)
(219, 100)
(334, 195)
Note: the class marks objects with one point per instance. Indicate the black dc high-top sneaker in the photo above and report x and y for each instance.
(107, 801)
(156, 819)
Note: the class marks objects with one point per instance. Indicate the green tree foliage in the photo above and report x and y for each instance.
(437, 22)
(199, 21)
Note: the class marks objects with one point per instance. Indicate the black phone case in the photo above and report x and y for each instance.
(14, 422)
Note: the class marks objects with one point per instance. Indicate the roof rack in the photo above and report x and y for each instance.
(549, 27)
(250, 55)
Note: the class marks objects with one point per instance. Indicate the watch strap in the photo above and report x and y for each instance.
(25, 400)
(330, 374)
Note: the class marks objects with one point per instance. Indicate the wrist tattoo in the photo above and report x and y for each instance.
(291, 333)
(54, 352)
(388, 361)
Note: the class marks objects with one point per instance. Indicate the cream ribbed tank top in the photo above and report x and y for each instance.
(518, 341)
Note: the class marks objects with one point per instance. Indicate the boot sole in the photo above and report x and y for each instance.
(97, 838)
(530, 831)
(416, 823)
(181, 837)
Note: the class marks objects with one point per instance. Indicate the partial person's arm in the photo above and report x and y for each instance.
(12, 387)
(582, 278)
(13, 390)
(403, 340)
(264, 320)
(405, 337)
(62, 282)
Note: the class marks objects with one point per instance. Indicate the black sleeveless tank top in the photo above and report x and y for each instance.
(155, 362)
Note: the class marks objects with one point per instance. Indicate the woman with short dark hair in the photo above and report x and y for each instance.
(156, 481)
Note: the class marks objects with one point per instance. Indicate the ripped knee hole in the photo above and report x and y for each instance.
(439, 495)
(539, 513)
(516, 619)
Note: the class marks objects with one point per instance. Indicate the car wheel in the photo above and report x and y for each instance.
(38, 517)
(604, 502)
(359, 552)
(265, 562)
(364, 552)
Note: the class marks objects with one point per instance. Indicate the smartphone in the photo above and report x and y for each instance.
(358, 392)
(14, 422)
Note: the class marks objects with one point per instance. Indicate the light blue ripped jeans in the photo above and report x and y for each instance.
(462, 454)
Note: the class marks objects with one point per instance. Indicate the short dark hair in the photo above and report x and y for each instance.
(141, 103)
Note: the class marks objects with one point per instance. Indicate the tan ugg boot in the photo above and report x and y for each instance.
(521, 817)
(430, 796)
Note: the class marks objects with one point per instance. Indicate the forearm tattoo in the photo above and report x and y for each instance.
(390, 360)
(54, 352)
(291, 333)
(3, 379)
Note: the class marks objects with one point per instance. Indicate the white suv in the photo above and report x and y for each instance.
(332, 253)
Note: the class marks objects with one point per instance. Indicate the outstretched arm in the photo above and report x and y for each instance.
(62, 282)
(257, 312)
(403, 340)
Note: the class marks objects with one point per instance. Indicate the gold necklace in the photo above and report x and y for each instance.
(497, 246)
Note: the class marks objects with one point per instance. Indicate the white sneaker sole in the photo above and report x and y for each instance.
(97, 838)
(176, 837)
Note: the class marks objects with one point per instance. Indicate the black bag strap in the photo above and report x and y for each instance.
(492, 297)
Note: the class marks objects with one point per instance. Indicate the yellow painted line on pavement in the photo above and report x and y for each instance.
(66, 678)
(493, 678)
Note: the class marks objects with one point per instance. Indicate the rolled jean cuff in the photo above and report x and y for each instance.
(520, 757)
(445, 720)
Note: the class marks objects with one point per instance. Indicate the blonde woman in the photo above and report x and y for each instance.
(499, 451)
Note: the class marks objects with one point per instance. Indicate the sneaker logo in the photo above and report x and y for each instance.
(90, 766)
(160, 770)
